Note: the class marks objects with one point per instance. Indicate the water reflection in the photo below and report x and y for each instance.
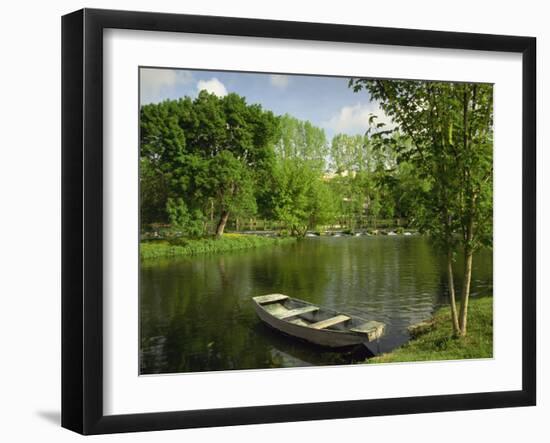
(196, 313)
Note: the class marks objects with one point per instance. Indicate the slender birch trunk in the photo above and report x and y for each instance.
(454, 313)
(465, 293)
(468, 258)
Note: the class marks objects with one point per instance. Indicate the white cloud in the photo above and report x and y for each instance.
(156, 84)
(355, 119)
(279, 81)
(213, 86)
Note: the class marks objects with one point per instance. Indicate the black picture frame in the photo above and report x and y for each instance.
(82, 219)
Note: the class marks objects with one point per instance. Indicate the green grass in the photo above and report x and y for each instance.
(436, 342)
(185, 247)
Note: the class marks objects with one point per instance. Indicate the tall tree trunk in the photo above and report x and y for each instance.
(468, 253)
(221, 223)
(468, 256)
(454, 313)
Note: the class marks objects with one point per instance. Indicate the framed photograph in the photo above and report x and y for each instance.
(269, 221)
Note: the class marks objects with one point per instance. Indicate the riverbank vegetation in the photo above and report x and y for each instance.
(184, 246)
(435, 341)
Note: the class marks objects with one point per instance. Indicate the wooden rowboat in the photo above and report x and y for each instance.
(324, 327)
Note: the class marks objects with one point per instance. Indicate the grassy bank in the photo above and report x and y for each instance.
(184, 246)
(434, 342)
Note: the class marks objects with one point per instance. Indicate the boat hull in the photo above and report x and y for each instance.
(323, 337)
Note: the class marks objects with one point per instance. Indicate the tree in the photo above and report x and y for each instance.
(301, 140)
(322, 209)
(450, 130)
(161, 149)
(232, 187)
(350, 153)
(299, 196)
(211, 153)
(301, 199)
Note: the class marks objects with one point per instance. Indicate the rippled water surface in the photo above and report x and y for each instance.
(196, 312)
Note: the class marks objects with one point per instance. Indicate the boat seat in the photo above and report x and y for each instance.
(330, 322)
(296, 312)
(270, 298)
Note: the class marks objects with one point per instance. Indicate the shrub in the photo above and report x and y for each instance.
(188, 246)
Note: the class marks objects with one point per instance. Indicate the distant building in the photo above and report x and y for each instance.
(330, 175)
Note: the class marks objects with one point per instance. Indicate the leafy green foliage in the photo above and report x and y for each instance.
(301, 199)
(231, 184)
(449, 127)
(210, 153)
(186, 222)
(301, 140)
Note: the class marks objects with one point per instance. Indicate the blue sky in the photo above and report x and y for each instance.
(327, 102)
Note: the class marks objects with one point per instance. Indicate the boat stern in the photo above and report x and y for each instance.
(373, 330)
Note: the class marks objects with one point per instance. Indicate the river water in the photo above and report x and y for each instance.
(196, 312)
